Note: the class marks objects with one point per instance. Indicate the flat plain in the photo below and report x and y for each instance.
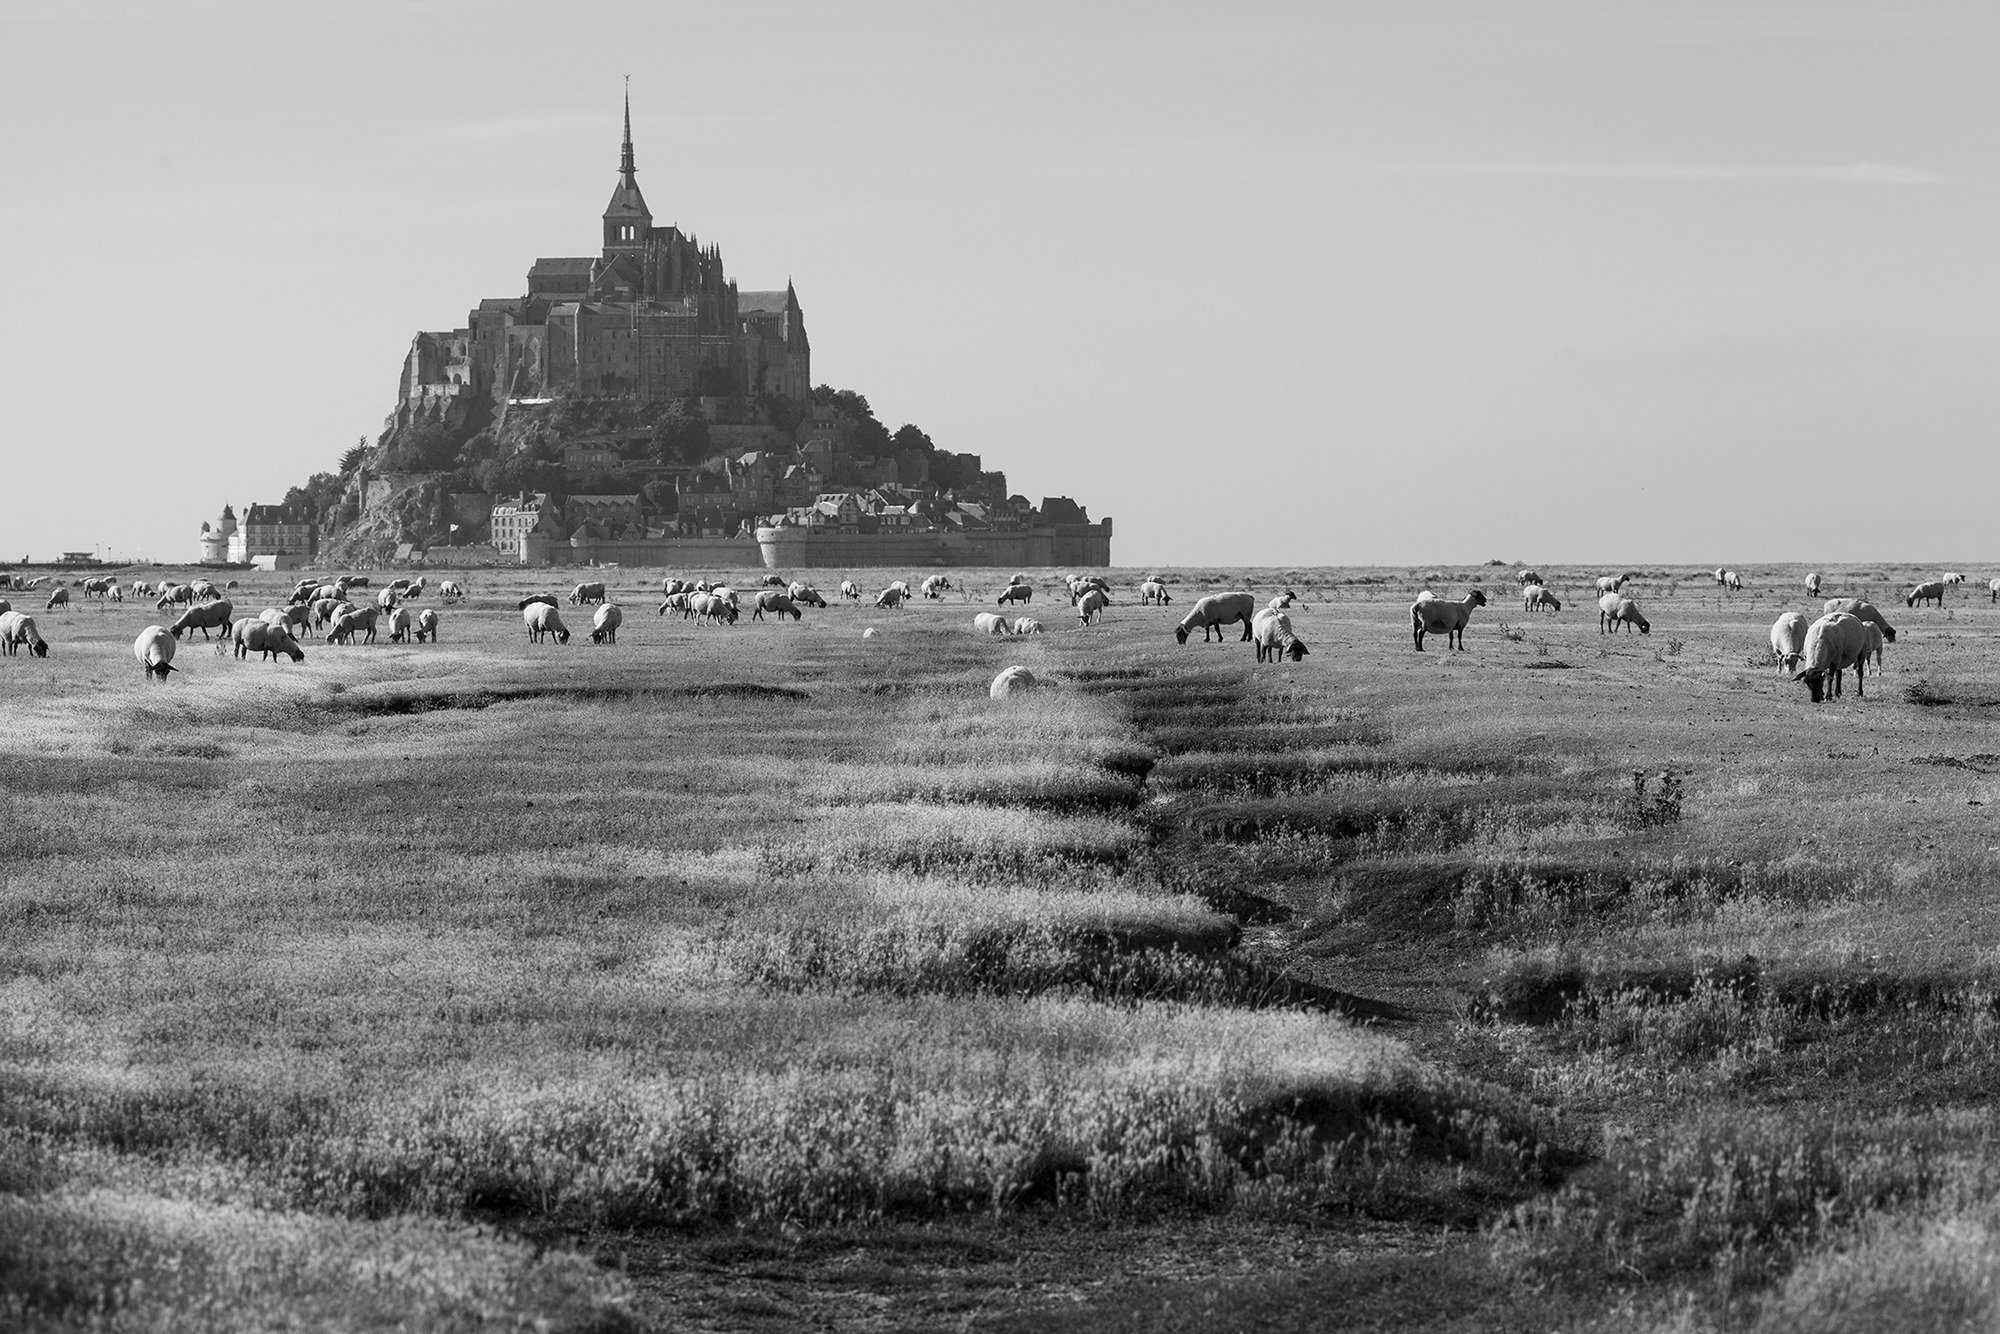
(766, 976)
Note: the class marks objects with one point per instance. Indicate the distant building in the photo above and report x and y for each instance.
(272, 530)
(215, 538)
(515, 517)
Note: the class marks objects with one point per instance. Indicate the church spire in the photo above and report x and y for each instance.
(627, 221)
(625, 168)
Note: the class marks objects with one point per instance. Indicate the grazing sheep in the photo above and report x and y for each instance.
(587, 592)
(1527, 577)
(201, 590)
(869, 633)
(902, 588)
(154, 648)
(991, 623)
(1951, 577)
(1271, 629)
(543, 620)
(1611, 583)
(1932, 591)
(1014, 579)
(204, 617)
(260, 636)
(1861, 610)
(18, 628)
(935, 586)
(724, 593)
(427, 626)
(385, 600)
(1614, 610)
(772, 581)
(451, 590)
(778, 602)
(295, 620)
(1812, 584)
(1874, 648)
(1092, 603)
(1153, 593)
(1435, 615)
(1215, 611)
(849, 590)
(1732, 581)
(892, 596)
(1834, 643)
(714, 607)
(1283, 601)
(59, 598)
(1788, 640)
(353, 580)
(677, 603)
(140, 588)
(1027, 625)
(805, 594)
(399, 625)
(1023, 593)
(348, 622)
(1012, 681)
(327, 610)
(114, 593)
(1079, 585)
(545, 599)
(1536, 597)
(96, 586)
(604, 624)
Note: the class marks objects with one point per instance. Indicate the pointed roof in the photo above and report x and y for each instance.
(626, 201)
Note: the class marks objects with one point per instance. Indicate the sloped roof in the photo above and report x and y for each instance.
(627, 202)
(549, 268)
(762, 303)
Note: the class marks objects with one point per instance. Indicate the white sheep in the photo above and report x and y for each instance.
(18, 628)
(1154, 594)
(1535, 597)
(1611, 583)
(542, 621)
(604, 624)
(1834, 643)
(1862, 610)
(1812, 584)
(778, 602)
(1952, 577)
(991, 623)
(1214, 612)
(348, 622)
(1732, 581)
(1015, 593)
(1092, 603)
(1435, 615)
(1788, 640)
(1993, 587)
(59, 598)
(385, 600)
(936, 586)
(1271, 631)
(451, 590)
(850, 590)
(1528, 577)
(399, 625)
(681, 604)
(154, 648)
(114, 593)
(205, 616)
(892, 597)
(260, 636)
(869, 633)
(1930, 591)
(427, 626)
(805, 594)
(1614, 610)
(1027, 625)
(588, 592)
(1011, 681)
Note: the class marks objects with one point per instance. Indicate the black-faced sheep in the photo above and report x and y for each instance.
(204, 617)
(1861, 610)
(892, 596)
(1812, 584)
(260, 636)
(399, 625)
(1092, 603)
(991, 623)
(587, 592)
(154, 648)
(806, 595)
(778, 602)
(1215, 611)
(1931, 591)
(1435, 615)
(850, 590)
(1833, 644)
(355, 620)
(1154, 594)
(1535, 597)
(604, 624)
(1614, 610)
(427, 626)
(1788, 640)
(1016, 593)
(1271, 631)
(543, 620)
(18, 628)
(935, 586)
(59, 598)
(545, 599)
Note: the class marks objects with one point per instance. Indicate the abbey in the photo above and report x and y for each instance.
(653, 316)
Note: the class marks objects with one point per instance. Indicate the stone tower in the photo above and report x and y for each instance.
(627, 223)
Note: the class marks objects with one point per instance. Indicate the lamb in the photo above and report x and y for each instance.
(1012, 681)
(1536, 597)
(778, 602)
(1834, 643)
(1092, 603)
(260, 636)
(1154, 593)
(59, 598)
(1432, 615)
(1025, 593)
(1611, 583)
(399, 625)
(1788, 640)
(1812, 584)
(327, 610)
(18, 628)
(543, 620)
(587, 592)
(1862, 610)
(678, 604)
(1027, 625)
(1933, 591)
(427, 626)
(204, 617)
(1215, 611)
(936, 586)
(1614, 611)
(991, 623)
(1271, 628)
(1283, 601)
(805, 594)
(604, 624)
(849, 590)
(353, 619)
(892, 596)
(154, 648)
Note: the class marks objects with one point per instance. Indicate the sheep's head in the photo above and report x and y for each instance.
(1476, 598)
(297, 654)
(40, 648)
(597, 636)
(1180, 634)
(1888, 635)
(1298, 649)
(562, 636)
(1645, 627)
(1815, 679)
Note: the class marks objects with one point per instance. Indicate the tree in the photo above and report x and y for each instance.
(352, 459)
(680, 435)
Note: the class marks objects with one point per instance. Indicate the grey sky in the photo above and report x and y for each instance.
(1269, 283)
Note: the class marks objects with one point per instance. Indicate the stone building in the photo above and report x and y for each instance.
(272, 530)
(652, 315)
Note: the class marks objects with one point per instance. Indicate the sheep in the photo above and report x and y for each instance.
(805, 594)
(1834, 643)
(892, 596)
(1432, 615)
(1788, 640)
(201, 590)
(353, 619)
(327, 610)
(1994, 588)
(849, 590)
(545, 599)
(1215, 611)
(1528, 577)
(1951, 577)
(1861, 610)
(414, 588)
(543, 620)
(399, 625)
(1024, 593)
(295, 620)
(724, 593)
(935, 586)
(1012, 681)
(18, 628)
(173, 595)
(427, 626)
(1812, 584)
(1271, 629)
(1027, 625)
(59, 598)
(386, 600)
(902, 588)
(587, 592)
(154, 648)
(712, 607)
(1092, 603)
(451, 590)
(1933, 591)
(778, 602)
(114, 593)
(5, 606)
(204, 617)
(1153, 593)
(1611, 583)
(1732, 581)
(97, 586)
(353, 580)
(260, 636)
(1079, 585)
(1536, 597)
(1874, 648)
(1614, 610)
(1283, 601)
(991, 623)
(772, 581)
(604, 624)
(676, 603)
(1014, 579)
(869, 633)
(140, 588)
